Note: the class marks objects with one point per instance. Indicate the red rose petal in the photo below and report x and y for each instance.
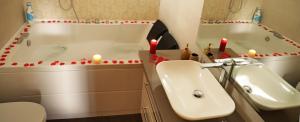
(53, 64)
(25, 30)
(61, 64)
(14, 64)
(82, 62)
(121, 62)
(7, 48)
(2, 59)
(3, 56)
(26, 65)
(40, 62)
(136, 61)
(11, 45)
(89, 61)
(106, 62)
(130, 61)
(73, 62)
(7, 52)
(32, 64)
(1, 64)
(114, 61)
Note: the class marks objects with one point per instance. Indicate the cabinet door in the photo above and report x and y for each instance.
(146, 108)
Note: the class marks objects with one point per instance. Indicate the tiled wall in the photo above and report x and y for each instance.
(182, 19)
(218, 9)
(102, 9)
(12, 19)
(283, 16)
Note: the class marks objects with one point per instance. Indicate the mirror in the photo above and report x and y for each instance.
(275, 39)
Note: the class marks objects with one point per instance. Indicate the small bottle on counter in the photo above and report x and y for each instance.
(208, 52)
(185, 55)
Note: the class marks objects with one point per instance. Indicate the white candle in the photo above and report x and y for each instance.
(97, 58)
(251, 53)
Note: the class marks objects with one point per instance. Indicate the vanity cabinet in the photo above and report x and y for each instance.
(148, 108)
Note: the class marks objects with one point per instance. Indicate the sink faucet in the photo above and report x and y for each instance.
(232, 62)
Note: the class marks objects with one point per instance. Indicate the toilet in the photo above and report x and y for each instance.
(22, 112)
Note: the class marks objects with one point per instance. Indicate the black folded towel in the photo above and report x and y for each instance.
(157, 30)
(167, 42)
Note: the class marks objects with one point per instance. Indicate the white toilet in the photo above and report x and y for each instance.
(22, 112)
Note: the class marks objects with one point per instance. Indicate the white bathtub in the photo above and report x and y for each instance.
(243, 37)
(76, 90)
(74, 42)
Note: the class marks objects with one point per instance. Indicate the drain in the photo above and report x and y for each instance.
(198, 93)
(247, 89)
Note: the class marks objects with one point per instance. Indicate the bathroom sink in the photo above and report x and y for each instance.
(193, 92)
(266, 89)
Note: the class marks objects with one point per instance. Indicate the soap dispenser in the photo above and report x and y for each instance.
(185, 55)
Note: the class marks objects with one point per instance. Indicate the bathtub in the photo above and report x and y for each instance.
(54, 67)
(245, 36)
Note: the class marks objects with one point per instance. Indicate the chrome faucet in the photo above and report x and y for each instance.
(22, 38)
(232, 62)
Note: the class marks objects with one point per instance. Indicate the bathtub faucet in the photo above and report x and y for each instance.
(22, 38)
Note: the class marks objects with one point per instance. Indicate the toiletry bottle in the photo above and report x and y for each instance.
(185, 55)
(208, 52)
(29, 13)
(257, 17)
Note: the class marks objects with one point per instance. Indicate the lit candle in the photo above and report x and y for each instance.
(223, 44)
(153, 45)
(97, 58)
(251, 53)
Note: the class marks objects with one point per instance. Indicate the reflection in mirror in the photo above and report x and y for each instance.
(275, 38)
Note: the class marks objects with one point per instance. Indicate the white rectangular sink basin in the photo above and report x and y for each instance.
(265, 88)
(193, 92)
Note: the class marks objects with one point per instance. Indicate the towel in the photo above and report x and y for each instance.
(157, 30)
(167, 42)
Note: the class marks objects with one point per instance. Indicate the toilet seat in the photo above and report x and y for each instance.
(22, 112)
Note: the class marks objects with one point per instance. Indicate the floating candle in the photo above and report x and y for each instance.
(97, 59)
(223, 44)
(153, 45)
(251, 53)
